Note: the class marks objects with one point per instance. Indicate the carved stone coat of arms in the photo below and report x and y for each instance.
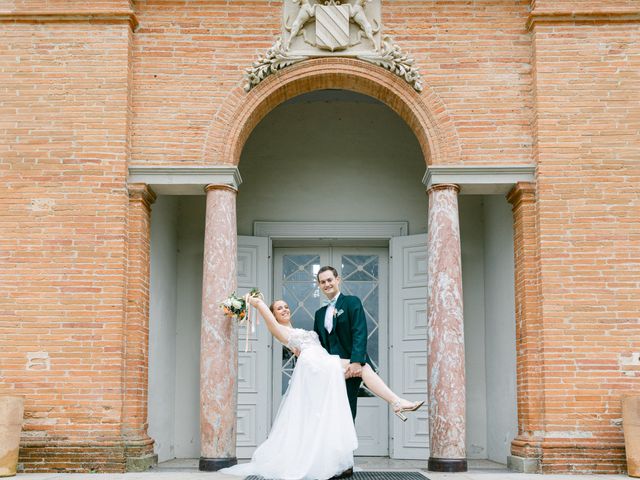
(346, 28)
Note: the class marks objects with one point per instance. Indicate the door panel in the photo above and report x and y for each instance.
(294, 282)
(254, 370)
(408, 320)
(364, 274)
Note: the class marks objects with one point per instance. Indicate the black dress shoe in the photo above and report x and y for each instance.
(346, 474)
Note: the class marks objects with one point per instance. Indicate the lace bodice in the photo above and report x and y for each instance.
(301, 339)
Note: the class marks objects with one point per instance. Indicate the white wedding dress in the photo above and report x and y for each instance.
(313, 436)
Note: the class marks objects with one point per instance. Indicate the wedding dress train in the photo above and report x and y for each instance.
(313, 436)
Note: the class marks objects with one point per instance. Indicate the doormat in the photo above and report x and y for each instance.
(371, 476)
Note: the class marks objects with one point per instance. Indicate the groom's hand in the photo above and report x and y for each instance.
(353, 370)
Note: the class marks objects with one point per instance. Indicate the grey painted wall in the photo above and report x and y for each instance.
(190, 261)
(472, 246)
(335, 156)
(500, 331)
(162, 325)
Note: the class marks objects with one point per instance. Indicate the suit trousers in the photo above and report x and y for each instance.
(353, 387)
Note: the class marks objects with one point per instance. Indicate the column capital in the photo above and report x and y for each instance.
(521, 192)
(216, 186)
(141, 192)
(443, 186)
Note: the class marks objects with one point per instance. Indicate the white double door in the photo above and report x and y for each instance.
(396, 335)
(364, 273)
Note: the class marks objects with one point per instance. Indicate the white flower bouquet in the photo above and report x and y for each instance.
(238, 308)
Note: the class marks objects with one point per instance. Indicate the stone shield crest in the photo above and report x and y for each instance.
(332, 26)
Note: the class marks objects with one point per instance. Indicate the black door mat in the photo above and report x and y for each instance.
(371, 476)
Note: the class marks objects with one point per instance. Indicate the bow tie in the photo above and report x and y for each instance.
(326, 302)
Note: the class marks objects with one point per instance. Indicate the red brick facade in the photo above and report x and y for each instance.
(91, 90)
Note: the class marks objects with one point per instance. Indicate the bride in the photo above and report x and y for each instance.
(313, 436)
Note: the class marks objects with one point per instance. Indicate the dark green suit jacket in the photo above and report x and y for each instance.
(350, 327)
(348, 338)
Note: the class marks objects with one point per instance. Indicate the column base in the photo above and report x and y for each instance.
(215, 464)
(523, 464)
(141, 464)
(449, 465)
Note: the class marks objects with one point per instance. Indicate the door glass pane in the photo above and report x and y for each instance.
(300, 291)
(360, 277)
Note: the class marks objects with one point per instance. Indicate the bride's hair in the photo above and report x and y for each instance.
(271, 307)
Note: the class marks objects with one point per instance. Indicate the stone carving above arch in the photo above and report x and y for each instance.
(423, 112)
(348, 28)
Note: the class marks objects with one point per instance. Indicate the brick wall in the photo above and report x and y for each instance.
(83, 96)
(62, 6)
(63, 154)
(588, 119)
(189, 57)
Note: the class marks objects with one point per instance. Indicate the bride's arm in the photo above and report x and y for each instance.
(281, 333)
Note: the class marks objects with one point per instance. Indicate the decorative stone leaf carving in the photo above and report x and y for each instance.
(276, 58)
(392, 58)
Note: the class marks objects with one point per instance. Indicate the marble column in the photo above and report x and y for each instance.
(445, 363)
(219, 337)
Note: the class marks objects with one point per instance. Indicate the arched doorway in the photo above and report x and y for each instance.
(432, 138)
(323, 162)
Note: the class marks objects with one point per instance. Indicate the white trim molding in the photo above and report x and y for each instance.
(330, 230)
(184, 180)
(480, 180)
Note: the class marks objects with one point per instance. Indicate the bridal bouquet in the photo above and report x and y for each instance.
(239, 308)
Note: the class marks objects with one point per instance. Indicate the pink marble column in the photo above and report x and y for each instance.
(219, 337)
(445, 364)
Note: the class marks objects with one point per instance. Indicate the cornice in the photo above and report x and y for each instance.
(184, 180)
(479, 179)
(44, 16)
(571, 17)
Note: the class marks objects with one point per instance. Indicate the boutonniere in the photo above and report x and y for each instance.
(337, 313)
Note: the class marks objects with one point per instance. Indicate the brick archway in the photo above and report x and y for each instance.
(424, 112)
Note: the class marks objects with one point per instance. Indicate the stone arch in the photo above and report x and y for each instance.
(424, 112)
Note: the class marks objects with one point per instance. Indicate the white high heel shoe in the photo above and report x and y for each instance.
(399, 411)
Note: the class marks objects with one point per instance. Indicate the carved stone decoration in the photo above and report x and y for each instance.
(332, 26)
(275, 59)
(349, 28)
(316, 28)
(392, 58)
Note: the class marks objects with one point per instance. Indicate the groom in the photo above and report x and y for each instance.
(342, 329)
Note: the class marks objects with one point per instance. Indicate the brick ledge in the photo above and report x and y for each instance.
(70, 16)
(625, 16)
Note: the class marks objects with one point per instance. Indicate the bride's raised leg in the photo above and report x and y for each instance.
(377, 386)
